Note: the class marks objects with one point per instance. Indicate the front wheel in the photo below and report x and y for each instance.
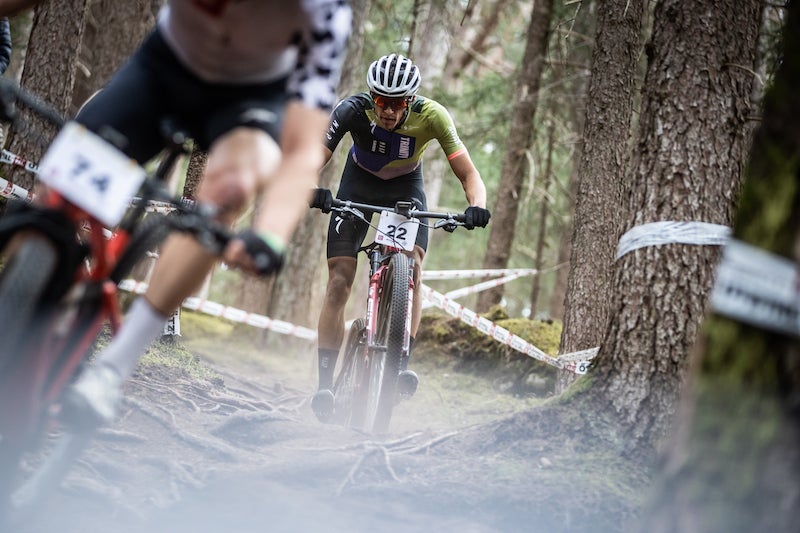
(385, 355)
(26, 276)
(349, 407)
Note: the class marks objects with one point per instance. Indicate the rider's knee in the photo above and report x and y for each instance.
(239, 164)
(338, 290)
(229, 191)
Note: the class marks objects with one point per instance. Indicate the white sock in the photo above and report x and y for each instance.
(142, 326)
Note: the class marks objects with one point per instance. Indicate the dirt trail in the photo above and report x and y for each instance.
(248, 455)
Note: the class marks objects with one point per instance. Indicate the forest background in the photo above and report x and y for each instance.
(586, 119)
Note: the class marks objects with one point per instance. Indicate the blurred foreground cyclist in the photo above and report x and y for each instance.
(252, 82)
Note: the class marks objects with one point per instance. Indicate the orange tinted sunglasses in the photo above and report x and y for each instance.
(395, 104)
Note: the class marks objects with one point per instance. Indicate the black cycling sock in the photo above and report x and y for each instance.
(326, 362)
(404, 360)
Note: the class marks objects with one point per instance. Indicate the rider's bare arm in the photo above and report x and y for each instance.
(470, 178)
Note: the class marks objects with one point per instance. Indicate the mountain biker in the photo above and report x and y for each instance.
(253, 84)
(391, 126)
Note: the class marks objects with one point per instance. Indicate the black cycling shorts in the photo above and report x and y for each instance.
(154, 85)
(358, 185)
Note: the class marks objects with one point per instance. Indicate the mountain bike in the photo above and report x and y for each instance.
(365, 388)
(61, 265)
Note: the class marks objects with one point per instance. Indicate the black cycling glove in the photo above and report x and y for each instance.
(265, 259)
(322, 199)
(476, 217)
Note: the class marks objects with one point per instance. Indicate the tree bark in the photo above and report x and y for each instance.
(505, 209)
(733, 464)
(49, 72)
(687, 166)
(113, 30)
(601, 175)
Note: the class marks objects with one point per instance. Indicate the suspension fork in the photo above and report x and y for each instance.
(410, 310)
(375, 275)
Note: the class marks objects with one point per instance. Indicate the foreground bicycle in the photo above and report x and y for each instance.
(58, 285)
(365, 388)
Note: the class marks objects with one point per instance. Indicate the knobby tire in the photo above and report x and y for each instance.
(24, 280)
(25, 277)
(391, 327)
(349, 407)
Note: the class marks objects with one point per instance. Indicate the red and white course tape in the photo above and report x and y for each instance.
(501, 334)
(230, 313)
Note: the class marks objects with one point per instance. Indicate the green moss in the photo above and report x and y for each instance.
(447, 341)
(174, 356)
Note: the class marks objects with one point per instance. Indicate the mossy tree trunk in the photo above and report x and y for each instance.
(734, 464)
(687, 166)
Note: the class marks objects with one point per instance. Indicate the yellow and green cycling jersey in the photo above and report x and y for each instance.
(389, 154)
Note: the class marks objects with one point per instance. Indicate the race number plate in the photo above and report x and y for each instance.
(397, 230)
(91, 173)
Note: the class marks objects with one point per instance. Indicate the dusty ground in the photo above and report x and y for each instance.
(240, 451)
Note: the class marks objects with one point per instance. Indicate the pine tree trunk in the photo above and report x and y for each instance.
(687, 166)
(601, 175)
(49, 72)
(733, 464)
(505, 209)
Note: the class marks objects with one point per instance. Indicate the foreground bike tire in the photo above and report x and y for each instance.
(25, 278)
(349, 406)
(23, 282)
(388, 349)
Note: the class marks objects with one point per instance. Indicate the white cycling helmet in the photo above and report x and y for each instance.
(393, 76)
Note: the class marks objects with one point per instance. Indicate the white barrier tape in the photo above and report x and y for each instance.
(670, 232)
(14, 192)
(579, 356)
(458, 293)
(14, 159)
(488, 327)
(478, 287)
(230, 313)
(758, 288)
(428, 275)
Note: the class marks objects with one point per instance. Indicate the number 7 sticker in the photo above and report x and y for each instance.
(91, 173)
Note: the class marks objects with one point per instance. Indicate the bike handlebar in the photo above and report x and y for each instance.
(10, 93)
(406, 209)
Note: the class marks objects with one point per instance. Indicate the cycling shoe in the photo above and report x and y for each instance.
(322, 405)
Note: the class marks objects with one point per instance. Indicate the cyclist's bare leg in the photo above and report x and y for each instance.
(341, 274)
(408, 381)
(418, 254)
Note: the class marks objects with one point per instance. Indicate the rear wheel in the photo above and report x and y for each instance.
(390, 332)
(349, 407)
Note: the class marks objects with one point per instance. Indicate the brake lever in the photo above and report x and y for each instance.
(449, 225)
